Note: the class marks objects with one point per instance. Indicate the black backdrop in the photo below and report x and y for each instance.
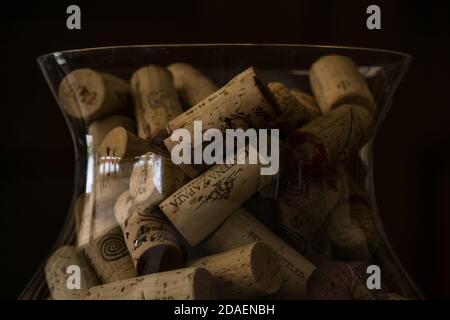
(412, 157)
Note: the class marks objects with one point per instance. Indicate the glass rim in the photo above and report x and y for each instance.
(400, 54)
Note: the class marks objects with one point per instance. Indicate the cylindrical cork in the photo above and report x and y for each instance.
(151, 241)
(122, 208)
(241, 228)
(294, 113)
(348, 240)
(100, 128)
(154, 178)
(88, 94)
(245, 102)
(334, 280)
(304, 202)
(331, 137)
(362, 214)
(335, 80)
(108, 256)
(201, 205)
(183, 284)
(245, 272)
(307, 101)
(191, 84)
(63, 279)
(122, 144)
(155, 101)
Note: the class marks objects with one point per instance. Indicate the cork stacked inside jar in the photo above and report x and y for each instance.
(152, 229)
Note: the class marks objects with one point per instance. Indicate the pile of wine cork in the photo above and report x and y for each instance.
(149, 229)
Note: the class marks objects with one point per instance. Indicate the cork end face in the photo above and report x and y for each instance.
(204, 285)
(265, 267)
(160, 258)
(82, 93)
(114, 144)
(331, 281)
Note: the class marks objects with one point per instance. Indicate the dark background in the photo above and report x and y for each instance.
(412, 157)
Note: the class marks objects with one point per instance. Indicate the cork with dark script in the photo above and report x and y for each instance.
(88, 94)
(294, 113)
(192, 85)
(183, 284)
(155, 101)
(61, 272)
(304, 203)
(200, 206)
(108, 255)
(241, 228)
(101, 127)
(331, 137)
(245, 102)
(336, 80)
(244, 272)
(151, 240)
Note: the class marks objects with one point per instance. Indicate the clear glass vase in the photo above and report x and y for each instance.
(158, 229)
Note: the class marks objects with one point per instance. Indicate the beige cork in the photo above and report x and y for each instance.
(241, 228)
(155, 101)
(61, 272)
(245, 272)
(245, 102)
(348, 239)
(205, 202)
(294, 113)
(122, 207)
(100, 128)
(84, 213)
(152, 241)
(182, 284)
(336, 80)
(191, 84)
(89, 95)
(331, 137)
(108, 255)
(154, 178)
(307, 101)
(304, 203)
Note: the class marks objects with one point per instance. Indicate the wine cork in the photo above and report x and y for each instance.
(307, 101)
(335, 80)
(205, 202)
(294, 113)
(62, 278)
(241, 228)
(108, 256)
(121, 144)
(331, 137)
(245, 102)
(100, 128)
(183, 284)
(151, 241)
(334, 280)
(348, 240)
(304, 202)
(122, 208)
(88, 94)
(154, 178)
(155, 101)
(245, 272)
(362, 214)
(191, 84)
